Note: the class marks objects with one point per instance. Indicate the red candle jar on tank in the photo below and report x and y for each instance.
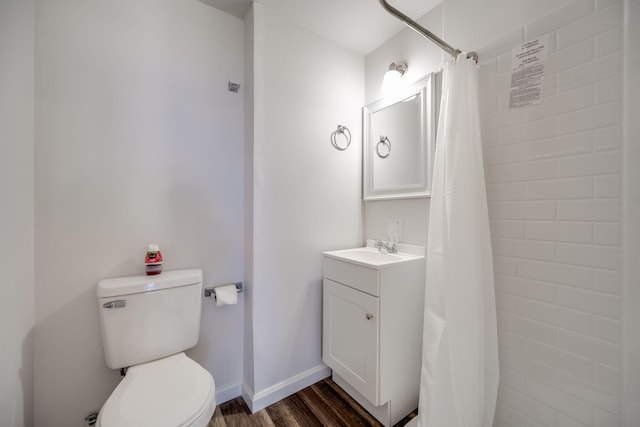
(153, 260)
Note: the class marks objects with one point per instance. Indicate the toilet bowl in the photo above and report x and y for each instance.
(147, 322)
(170, 392)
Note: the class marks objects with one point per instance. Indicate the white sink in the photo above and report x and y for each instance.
(372, 257)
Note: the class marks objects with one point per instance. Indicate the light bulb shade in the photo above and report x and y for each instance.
(392, 82)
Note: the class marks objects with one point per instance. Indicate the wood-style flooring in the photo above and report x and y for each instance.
(321, 404)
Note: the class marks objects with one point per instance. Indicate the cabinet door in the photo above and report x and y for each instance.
(350, 337)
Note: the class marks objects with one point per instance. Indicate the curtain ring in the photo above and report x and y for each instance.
(344, 131)
(383, 144)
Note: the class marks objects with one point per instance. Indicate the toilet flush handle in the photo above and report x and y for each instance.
(121, 303)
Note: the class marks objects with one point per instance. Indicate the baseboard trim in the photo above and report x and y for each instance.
(247, 393)
(285, 388)
(228, 392)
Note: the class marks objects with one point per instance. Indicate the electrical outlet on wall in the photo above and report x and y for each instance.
(394, 229)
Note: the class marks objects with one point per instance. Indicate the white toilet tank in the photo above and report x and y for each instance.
(145, 318)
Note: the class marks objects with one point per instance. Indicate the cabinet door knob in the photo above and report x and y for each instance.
(369, 316)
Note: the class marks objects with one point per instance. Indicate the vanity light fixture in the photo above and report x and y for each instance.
(392, 81)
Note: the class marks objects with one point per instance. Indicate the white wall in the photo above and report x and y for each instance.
(631, 216)
(249, 136)
(17, 316)
(138, 140)
(422, 58)
(306, 195)
(470, 25)
(554, 185)
(554, 177)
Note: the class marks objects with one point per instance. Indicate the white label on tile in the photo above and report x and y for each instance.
(527, 72)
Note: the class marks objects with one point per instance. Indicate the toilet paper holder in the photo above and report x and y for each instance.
(211, 292)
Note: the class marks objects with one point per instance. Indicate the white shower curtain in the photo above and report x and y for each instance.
(459, 378)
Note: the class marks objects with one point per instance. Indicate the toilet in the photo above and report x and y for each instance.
(147, 322)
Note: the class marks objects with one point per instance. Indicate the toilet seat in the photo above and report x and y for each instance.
(171, 392)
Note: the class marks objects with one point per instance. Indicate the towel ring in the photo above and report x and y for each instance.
(383, 147)
(344, 131)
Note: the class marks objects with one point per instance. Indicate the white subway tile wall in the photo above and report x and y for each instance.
(553, 175)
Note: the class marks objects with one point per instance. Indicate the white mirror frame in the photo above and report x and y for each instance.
(426, 88)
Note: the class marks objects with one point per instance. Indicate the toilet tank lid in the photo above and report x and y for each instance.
(139, 284)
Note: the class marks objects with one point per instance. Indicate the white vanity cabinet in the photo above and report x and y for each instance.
(351, 336)
(373, 308)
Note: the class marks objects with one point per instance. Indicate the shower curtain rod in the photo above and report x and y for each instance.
(425, 33)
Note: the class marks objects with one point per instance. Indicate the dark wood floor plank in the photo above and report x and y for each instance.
(218, 419)
(237, 414)
(301, 412)
(280, 415)
(370, 419)
(263, 419)
(351, 413)
(321, 407)
(323, 404)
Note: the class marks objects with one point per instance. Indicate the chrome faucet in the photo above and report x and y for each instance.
(384, 248)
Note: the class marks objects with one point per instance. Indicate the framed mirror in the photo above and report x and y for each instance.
(399, 140)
